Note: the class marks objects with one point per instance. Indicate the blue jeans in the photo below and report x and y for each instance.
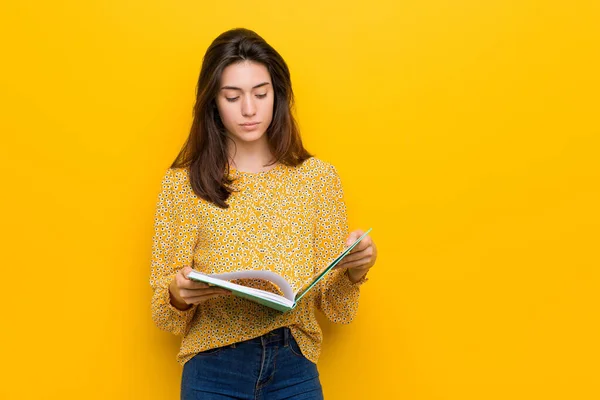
(267, 367)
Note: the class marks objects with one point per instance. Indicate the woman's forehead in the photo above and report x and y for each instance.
(245, 76)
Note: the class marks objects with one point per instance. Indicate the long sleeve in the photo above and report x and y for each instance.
(339, 297)
(172, 249)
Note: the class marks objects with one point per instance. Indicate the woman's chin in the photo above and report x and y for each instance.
(249, 137)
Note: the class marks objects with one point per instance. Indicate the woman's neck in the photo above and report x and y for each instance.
(250, 157)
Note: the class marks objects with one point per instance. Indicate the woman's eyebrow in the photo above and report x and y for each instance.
(237, 88)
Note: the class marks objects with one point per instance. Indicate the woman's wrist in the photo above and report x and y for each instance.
(356, 275)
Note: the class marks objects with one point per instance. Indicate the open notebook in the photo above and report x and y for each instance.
(284, 303)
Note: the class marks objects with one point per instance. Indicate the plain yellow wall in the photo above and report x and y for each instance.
(466, 133)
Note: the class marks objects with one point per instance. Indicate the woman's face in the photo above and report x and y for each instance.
(245, 101)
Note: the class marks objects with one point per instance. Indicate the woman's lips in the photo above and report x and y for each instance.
(250, 126)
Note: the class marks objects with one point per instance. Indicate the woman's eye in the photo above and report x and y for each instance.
(232, 99)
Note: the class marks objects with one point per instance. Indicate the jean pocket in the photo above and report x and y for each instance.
(294, 348)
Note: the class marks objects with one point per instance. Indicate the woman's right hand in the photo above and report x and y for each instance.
(185, 292)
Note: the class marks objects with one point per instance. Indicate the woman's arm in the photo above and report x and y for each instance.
(339, 292)
(173, 242)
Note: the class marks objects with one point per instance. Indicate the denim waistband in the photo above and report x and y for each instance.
(279, 335)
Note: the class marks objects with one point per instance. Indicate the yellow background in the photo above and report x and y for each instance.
(466, 133)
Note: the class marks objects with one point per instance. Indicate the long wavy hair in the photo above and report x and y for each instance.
(204, 153)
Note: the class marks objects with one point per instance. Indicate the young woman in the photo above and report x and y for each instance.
(244, 194)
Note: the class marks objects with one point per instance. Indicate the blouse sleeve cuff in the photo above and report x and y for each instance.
(183, 314)
(360, 282)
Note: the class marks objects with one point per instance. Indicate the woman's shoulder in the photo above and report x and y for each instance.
(176, 175)
(317, 166)
(176, 179)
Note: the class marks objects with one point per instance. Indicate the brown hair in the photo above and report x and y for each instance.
(205, 150)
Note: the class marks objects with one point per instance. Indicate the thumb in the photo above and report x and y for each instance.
(353, 236)
(185, 271)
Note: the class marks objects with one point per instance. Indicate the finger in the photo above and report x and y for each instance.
(185, 272)
(201, 299)
(354, 264)
(366, 242)
(189, 284)
(185, 282)
(182, 277)
(186, 293)
(367, 260)
(353, 236)
(366, 253)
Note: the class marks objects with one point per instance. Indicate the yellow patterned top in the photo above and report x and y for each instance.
(289, 220)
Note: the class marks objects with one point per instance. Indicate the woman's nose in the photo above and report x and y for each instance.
(248, 107)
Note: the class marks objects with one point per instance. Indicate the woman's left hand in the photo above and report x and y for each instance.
(361, 258)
